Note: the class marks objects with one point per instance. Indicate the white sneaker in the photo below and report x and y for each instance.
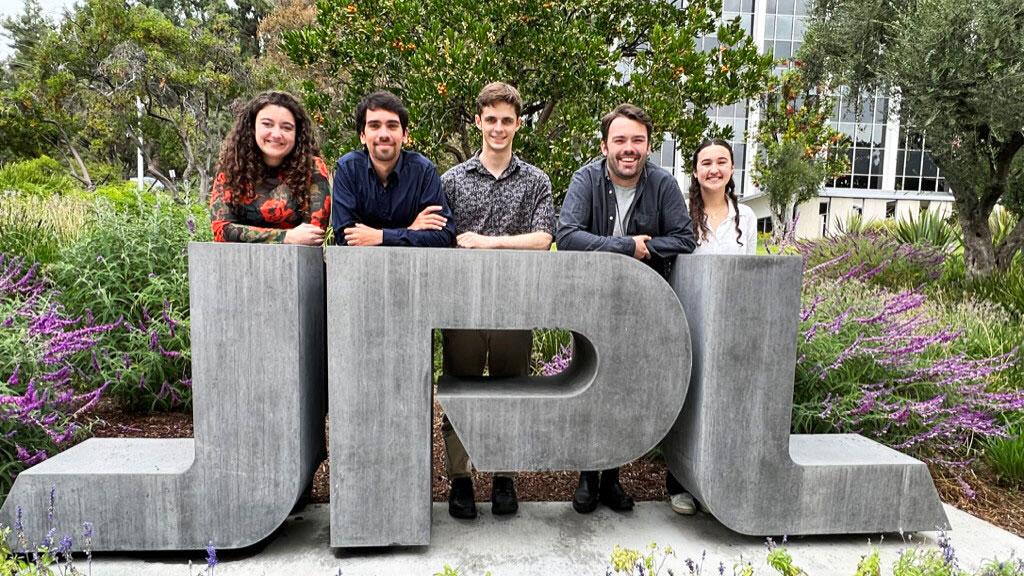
(683, 503)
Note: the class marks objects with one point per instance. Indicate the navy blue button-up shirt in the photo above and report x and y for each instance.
(359, 197)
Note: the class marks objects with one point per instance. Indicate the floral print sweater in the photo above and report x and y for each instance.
(271, 212)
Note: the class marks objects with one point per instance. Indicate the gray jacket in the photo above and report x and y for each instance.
(587, 218)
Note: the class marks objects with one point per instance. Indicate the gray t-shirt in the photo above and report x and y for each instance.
(623, 205)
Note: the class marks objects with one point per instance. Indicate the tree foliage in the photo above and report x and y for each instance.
(573, 60)
(957, 70)
(797, 149)
(85, 80)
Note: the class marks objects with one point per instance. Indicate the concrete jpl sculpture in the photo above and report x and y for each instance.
(257, 315)
(731, 446)
(259, 369)
(620, 396)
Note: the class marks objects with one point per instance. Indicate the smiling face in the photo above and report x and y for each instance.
(626, 149)
(275, 133)
(498, 123)
(383, 136)
(714, 169)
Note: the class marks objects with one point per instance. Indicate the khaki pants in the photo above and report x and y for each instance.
(506, 353)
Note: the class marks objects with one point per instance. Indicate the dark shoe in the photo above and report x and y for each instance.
(503, 496)
(612, 494)
(460, 499)
(584, 500)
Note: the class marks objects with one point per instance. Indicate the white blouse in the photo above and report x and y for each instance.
(723, 239)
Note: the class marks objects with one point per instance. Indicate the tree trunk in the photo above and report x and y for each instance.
(1010, 246)
(979, 254)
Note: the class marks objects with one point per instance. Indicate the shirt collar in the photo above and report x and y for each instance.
(474, 164)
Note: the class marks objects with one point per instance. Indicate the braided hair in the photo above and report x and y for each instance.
(697, 201)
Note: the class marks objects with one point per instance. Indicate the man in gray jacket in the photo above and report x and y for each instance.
(623, 203)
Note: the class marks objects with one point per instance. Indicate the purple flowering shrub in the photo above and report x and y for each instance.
(913, 371)
(872, 256)
(131, 267)
(46, 357)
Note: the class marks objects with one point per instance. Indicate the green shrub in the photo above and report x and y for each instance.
(928, 229)
(133, 265)
(1006, 456)
(1003, 288)
(39, 228)
(41, 177)
(124, 195)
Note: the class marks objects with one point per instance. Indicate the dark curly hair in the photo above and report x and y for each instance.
(241, 160)
(697, 201)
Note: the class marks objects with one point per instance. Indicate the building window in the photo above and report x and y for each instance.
(823, 207)
(867, 139)
(915, 170)
(784, 26)
(890, 209)
(764, 225)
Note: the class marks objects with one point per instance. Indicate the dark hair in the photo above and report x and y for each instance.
(381, 100)
(497, 92)
(697, 201)
(630, 111)
(241, 160)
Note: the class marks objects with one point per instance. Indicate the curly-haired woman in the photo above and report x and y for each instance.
(272, 187)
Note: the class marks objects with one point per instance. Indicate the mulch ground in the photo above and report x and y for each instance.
(644, 479)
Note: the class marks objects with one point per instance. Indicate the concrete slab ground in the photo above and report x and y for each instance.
(550, 538)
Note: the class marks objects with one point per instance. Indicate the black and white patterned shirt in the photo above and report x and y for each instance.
(517, 202)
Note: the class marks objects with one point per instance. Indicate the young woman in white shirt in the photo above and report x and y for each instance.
(722, 226)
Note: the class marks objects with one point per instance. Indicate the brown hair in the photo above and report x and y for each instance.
(241, 160)
(630, 111)
(697, 201)
(497, 92)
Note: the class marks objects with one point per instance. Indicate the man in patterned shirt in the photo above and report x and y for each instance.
(501, 202)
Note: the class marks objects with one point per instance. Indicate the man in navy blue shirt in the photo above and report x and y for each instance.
(383, 195)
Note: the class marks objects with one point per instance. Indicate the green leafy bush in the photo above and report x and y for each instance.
(124, 195)
(132, 265)
(41, 177)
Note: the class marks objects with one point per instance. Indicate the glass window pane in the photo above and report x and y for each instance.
(799, 27)
(784, 28)
(801, 7)
(786, 6)
(899, 163)
(912, 184)
(876, 161)
(913, 163)
(861, 161)
(860, 182)
(929, 169)
(783, 49)
(769, 27)
(773, 6)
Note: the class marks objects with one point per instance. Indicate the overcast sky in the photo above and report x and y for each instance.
(52, 8)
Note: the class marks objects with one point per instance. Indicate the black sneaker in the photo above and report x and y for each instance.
(461, 502)
(503, 496)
